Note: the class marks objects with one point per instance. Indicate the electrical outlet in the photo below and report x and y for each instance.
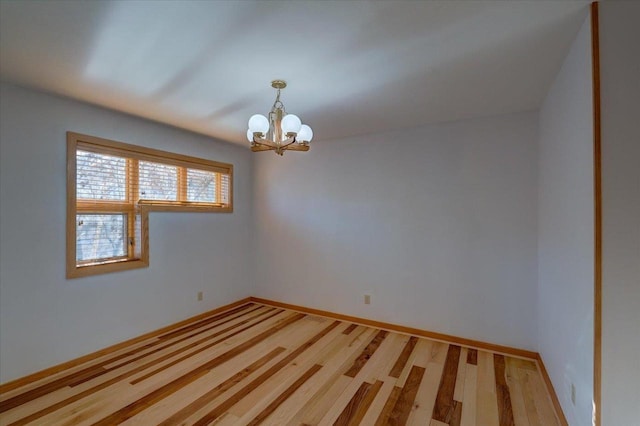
(367, 299)
(200, 296)
(573, 394)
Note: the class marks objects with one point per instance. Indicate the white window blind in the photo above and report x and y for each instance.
(201, 186)
(100, 176)
(158, 181)
(101, 237)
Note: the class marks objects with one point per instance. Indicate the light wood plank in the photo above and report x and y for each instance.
(469, 412)
(541, 398)
(373, 413)
(458, 392)
(517, 397)
(487, 403)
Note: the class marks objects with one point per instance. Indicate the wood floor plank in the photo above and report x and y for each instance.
(321, 402)
(486, 403)
(427, 393)
(366, 354)
(349, 329)
(443, 409)
(352, 406)
(364, 405)
(525, 364)
(505, 412)
(543, 403)
(468, 417)
(529, 397)
(378, 403)
(458, 392)
(403, 358)
(256, 364)
(385, 414)
(348, 412)
(517, 398)
(227, 419)
(402, 408)
(456, 416)
(472, 357)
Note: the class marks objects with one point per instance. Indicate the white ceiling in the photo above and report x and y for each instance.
(352, 67)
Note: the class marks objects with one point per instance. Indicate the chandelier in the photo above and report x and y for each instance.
(281, 131)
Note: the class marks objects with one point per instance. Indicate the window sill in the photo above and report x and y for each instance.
(177, 206)
(77, 271)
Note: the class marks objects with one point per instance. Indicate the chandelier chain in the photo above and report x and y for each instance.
(277, 103)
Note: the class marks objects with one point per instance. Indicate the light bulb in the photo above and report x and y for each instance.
(290, 124)
(258, 123)
(305, 134)
(250, 135)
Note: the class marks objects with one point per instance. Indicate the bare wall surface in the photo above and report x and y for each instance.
(620, 91)
(46, 319)
(565, 232)
(438, 224)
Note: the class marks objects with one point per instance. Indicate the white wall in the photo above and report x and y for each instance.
(565, 231)
(437, 223)
(46, 319)
(620, 92)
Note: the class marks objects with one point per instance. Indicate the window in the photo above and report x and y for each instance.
(112, 187)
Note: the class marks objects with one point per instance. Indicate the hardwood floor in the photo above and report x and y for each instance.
(258, 364)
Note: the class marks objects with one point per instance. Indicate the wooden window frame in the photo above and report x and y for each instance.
(138, 250)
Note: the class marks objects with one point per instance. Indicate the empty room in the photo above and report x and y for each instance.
(286, 212)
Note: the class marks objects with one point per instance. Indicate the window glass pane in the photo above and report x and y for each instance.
(100, 236)
(100, 176)
(158, 181)
(201, 186)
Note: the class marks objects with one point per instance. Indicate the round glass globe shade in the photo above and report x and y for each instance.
(305, 134)
(258, 123)
(290, 124)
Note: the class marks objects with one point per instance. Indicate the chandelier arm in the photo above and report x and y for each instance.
(298, 147)
(288, 142)
(266, 142)
(260, 147)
